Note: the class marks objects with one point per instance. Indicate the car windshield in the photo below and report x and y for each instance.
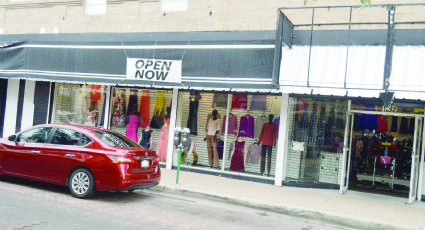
(115, 139)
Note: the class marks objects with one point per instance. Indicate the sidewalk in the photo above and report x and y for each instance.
(354, 209)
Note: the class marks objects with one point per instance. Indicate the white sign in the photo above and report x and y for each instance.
(154, 70)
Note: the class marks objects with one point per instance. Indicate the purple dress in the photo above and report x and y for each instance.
(237, 161)
(131, 131)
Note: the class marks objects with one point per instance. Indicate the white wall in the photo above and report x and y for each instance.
(28, 109)
(11, 107)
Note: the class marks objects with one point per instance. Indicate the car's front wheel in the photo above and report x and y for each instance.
(81, 183)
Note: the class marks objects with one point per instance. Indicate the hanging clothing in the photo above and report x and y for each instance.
(157, 120)
(340, 118)
(394, 124)
(233, 125)
(277, 122)
(119, 110)
(411, 126)
(304, 117)
(192, 121)
(404, 128)
(220, 100)
(258, 102)
(144, 108)
(96, 93)
(133, 124)
(369, 122)
(146, 138)
(220, 148)
(382, 125)
(259, 122)
(237, 161)
(331, 117)
(162, 144)
(246, 126)
(102, 119)
(132, 105)
(268, 135)
(254, 152)
(239, 101)
(275, 102)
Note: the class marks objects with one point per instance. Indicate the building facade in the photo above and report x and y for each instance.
(294, 103)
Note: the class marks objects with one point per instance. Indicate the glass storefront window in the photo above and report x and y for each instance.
(315, 140)
(243, 116)
(79, 104)
(142, 115)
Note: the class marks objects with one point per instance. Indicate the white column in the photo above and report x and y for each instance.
(282, 141)
(107, 105)
(11, 110)
(28, 108)
(173, 117)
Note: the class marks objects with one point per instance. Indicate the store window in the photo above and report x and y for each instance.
(79, 104)
(315, 141)
(142, 115)
(233, 132)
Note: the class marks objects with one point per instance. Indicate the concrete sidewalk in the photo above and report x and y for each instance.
(354, 209)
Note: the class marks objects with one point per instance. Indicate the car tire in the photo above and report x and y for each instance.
(81, 183)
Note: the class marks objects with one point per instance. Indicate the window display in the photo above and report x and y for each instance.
(315, 140)
(79, 104)
(232, 136)
(143, 116)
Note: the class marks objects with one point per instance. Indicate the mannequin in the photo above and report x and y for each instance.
(268, 139)
(162, 144)
(91, 115)
(238, 158)
(146, 138)
(213, 128)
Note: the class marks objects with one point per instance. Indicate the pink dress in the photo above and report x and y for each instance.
(162, 145)
(131, 131)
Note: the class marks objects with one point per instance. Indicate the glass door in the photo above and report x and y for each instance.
(348, 137)
(417, 146)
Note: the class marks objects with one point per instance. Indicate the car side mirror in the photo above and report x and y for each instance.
(12, 138)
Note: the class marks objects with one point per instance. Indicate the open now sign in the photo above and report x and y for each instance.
(154, 70)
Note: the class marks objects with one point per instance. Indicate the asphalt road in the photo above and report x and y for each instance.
(34, 205)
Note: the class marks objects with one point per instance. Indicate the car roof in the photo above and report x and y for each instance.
(73, 126)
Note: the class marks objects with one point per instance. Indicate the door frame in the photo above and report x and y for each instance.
(347, 149)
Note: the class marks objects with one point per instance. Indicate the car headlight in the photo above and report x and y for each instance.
(118, 159)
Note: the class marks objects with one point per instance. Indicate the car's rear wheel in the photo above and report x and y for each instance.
(81, 183)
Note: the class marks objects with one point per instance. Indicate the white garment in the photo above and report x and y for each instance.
(275, 102)
(213, 126)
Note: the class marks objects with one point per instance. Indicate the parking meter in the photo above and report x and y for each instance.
(177, 136)
(181, 141)
(185, 140)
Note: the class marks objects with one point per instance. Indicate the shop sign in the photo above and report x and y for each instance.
(154, 70)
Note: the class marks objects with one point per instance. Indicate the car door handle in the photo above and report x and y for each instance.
(36, 152)
(70, 155)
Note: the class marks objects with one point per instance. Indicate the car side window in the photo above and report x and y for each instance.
(37, 135)
(66, 137)
(85, 140)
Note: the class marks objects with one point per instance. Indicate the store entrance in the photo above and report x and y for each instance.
(382, 152)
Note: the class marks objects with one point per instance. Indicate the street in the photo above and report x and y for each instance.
(26, 204)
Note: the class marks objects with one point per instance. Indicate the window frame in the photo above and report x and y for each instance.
(46, 141)
(79, 141)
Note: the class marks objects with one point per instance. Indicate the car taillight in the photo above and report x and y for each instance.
(156, 159)
(119, 159)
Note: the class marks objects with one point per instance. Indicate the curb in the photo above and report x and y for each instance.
(346, 221)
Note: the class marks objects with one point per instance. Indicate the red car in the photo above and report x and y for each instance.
(83, 158)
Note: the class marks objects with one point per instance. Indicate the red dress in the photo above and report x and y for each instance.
(144, 108)
(237, 161)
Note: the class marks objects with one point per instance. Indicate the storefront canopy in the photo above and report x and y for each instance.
(209, 60)
(350, 51)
